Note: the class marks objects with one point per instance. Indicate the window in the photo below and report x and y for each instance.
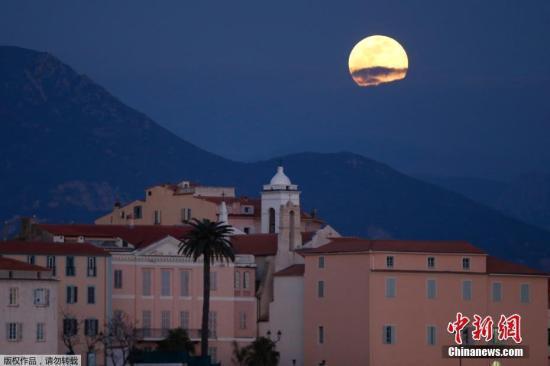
(14, 296)
(430, 335)
(184, 320)
(165, 319)
(465, 263)
(15, 332)
(146, 282)
(92, 269)
(389, 261)
(242, 320)
(524, 293)
(431, 262)
(91, 327)
(70, 327)
(165, 286)
(321, 289)
(246, 280)
(41, 297)
(390, 287)
(91, 295)
(50, 262)
(321, 263)
(184, 283)
(138, 212)
(212, 324)
(118, 278)
(321, 334)
(185, 214)
(72, 294)
(70, 269)
(271, 214)
(497, 291)
(388, 334)
(467, 290)
(213, 281)
(146, 322)
(292, 231)
(31, 259)
(40, 336)
(237, 279)
(431, 289)
(156, 217)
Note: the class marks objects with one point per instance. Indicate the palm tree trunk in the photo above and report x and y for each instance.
(205, 306)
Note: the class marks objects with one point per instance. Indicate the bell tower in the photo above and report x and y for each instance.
(275, 195)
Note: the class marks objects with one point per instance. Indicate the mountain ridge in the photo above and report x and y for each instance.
(70, 149)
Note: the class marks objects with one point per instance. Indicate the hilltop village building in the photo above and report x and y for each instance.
(29, 308)
(325, 299)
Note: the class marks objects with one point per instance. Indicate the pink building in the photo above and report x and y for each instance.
(28, 311)
(390, 302)
(82, 271)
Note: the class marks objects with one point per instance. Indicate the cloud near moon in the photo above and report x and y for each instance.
(372, 76)
(376, 60)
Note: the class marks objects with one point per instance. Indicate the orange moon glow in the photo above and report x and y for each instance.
(376, 60)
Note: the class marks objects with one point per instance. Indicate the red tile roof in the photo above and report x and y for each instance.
(294, 270)
(256, 244)
(9, 264)
(139, 235)
(349, 244)
(499, 266)
(34, 247)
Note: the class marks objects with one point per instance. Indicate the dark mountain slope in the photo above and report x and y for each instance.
(68, 149)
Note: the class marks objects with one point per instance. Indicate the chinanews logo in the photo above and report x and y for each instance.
(493, 340)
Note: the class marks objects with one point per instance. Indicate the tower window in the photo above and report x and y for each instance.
(292, 237)
(271, 220)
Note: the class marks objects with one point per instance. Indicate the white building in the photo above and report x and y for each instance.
(28, 310)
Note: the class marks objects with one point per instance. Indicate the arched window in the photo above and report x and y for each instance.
(271, 220)
(291, 239)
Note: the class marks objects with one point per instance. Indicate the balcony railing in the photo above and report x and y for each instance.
(156, 334)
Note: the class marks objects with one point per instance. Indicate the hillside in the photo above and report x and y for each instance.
(69, 148)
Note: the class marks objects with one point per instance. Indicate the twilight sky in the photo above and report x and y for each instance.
(252, 79)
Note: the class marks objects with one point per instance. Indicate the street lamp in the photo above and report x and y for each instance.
(279, 334)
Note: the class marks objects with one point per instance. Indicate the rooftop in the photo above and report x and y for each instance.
(9, 264)
(294, 270)
(500, 266)
(255, 244)
(35, 247)
(138, 235)
(352, 245)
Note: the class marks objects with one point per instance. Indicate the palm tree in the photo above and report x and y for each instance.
(208, 239)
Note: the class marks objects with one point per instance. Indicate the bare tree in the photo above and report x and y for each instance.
(70, 335)
(120, 339)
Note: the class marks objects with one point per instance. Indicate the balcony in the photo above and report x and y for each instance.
(157, 334)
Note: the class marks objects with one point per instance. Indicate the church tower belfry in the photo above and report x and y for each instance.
(275, 195)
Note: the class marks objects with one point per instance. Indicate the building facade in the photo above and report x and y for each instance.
(28, 311)
(82, 272)
(390, 301)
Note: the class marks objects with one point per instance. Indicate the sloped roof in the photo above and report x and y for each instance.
(9, 264)
(351, 244)
(294, 270)
(255, 244)
(138, 235)
(36, 247)
(500, 266)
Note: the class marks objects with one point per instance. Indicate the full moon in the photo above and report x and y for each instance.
(376, 60)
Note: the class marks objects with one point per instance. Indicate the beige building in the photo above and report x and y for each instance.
(82, 272)
(176, 204)
(28, 310)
